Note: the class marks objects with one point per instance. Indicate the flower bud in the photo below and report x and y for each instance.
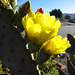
(56, 45)
(40, 10)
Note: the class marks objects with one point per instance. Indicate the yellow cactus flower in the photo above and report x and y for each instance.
(40, 26)
(56, 45)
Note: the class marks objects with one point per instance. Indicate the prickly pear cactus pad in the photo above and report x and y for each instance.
(71, 51)
(12, 51)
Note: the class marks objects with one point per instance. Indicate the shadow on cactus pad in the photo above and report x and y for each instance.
(71, 58)
(71, 39)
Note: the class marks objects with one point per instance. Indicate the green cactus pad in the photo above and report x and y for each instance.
(12, 51)
(18, 19)
(33, 47)
(41, 57)
(48, 68)
(72, 41)
(7, 15)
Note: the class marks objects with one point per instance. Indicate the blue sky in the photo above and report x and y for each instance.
(66, 6)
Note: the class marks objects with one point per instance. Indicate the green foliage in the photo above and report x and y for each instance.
(73, 18)
(67, 17)
(48, 68)
(56, 13)
(4, 69)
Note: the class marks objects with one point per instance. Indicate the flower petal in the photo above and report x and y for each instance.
(33, 32)
(39, 18)
(30, 14)
(46, 18)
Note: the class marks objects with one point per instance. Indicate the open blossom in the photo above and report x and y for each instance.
(40, 26)
(56, 45)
